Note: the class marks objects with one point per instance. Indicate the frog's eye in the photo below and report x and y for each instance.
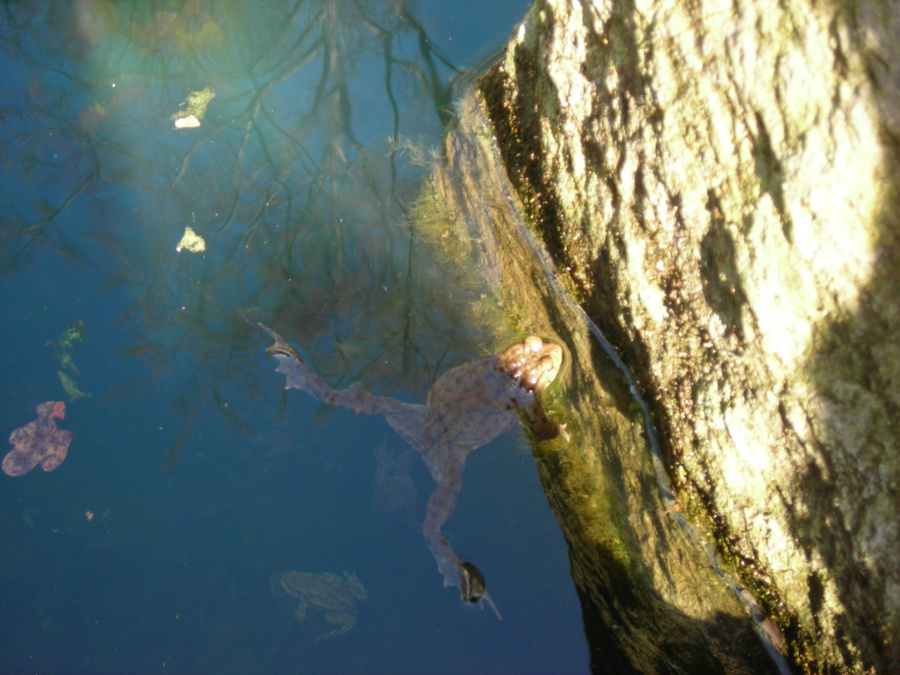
(471, 588)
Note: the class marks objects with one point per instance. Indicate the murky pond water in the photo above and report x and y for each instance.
(174, 173)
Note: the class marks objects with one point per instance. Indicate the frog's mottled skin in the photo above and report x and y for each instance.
(328, 592)
(467, 407)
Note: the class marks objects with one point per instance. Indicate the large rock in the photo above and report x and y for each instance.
(717, 184)
(653, 598)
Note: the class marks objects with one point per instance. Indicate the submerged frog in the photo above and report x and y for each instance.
(467, 407)
(328, 592)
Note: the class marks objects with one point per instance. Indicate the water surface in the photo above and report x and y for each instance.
(192, 477)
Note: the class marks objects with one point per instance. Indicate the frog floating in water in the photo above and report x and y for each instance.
(335, 596)
(467, 407)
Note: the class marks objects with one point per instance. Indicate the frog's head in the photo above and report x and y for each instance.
(533, 363)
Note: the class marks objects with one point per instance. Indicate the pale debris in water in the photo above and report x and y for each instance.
(196, 104)
(191, 241)
(189, 122)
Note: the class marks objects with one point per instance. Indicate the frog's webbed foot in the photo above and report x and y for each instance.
(280, 347)
(298, 374)
(472, 587)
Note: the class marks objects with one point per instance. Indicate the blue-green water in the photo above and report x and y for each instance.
(202, 476)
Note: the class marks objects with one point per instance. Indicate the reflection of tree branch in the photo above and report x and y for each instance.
(304, 215)
(440, 94)
(186, 423)
(32, 230)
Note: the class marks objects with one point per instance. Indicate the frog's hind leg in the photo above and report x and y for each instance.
(344, 622)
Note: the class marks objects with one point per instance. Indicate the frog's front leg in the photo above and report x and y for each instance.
(542, 426)
(344, 622)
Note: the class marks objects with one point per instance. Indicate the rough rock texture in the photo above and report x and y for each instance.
(718, 182)
(651, 599)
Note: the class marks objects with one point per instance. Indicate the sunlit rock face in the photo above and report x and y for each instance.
(718, 182)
